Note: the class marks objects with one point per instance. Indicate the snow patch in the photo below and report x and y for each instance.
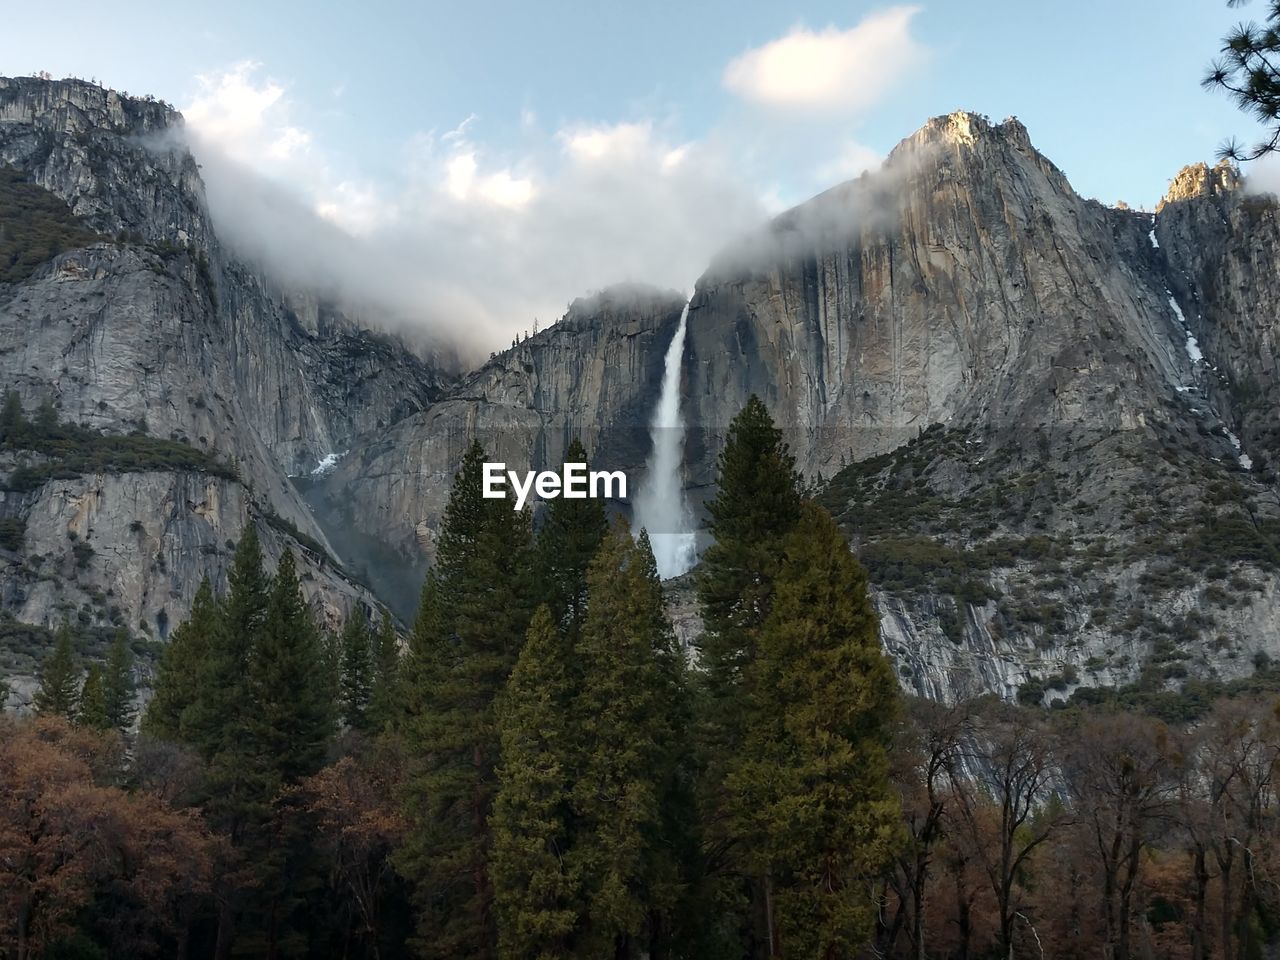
(1245, 460)
(327, 463)
(1192, 345)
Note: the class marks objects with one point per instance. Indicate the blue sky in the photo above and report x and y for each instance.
(517, 122)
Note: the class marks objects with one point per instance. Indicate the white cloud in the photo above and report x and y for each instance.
(616, 143)
(854, 159)
(462, 239)
(1263, 175)
(243, 115)
(829, 69)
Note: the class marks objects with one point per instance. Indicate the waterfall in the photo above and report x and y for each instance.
(660, 506)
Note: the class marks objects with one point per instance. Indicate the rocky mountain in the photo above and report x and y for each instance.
(138, 322)
(1046, 424)
(593, 375)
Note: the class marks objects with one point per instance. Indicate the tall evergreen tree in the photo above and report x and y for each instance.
(220, 725)
(118, 686)
(218, 718)
(384, 695)
(181, 671)
(810, 784)
(470, 627)
(290, 725)
(624, 730)
(536, 890)
(292, 717)
(59, 679)
(12, 419)
(93, 704)
(357, 671)
(568, 539)
(757, 504)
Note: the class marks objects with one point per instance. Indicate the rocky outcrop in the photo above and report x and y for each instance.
(1019, 394)
(593, 375)
(1225, 242)
(159, 329)
(966, 281)
(1046, 425)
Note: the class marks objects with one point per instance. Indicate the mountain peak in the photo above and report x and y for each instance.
(79, 106)
(1201, 180)
(967, 128)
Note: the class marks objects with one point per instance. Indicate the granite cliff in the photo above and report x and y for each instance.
(1046, 424)
(147, 326)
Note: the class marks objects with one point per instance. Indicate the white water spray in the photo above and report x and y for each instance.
(660, 506)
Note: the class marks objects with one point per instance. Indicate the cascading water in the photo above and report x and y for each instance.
(660, 506)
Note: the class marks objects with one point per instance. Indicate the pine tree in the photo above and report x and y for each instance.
(469, 631)
(183, 665)
(1249, 72)
(218, 718)
(12, 419)
(568, 539)
(59, 686)
(357, 671)
(92, 712)
(220, 724)
(118, 686)
(290, 726)
(292, 718)
(677, 920)
(624, 731)
(384, 696)
(756, 506)
(536, 893)
(757, 503)
(810, 784)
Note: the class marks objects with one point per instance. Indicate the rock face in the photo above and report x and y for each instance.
(965, 281)
(1037, 399)
(158, 329)
(593, 375)
(1046, 425)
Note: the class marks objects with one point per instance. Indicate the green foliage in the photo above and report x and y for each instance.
(289, 528)
(13, 533)
(219, 720)
(537, 887)
(1246, 70)
(810, 786)
(118, 686)
(567, 540)
(357, 671)
(919, 563)
(756, 505)
(92, 712)
(67, 451)
(59, 687)
(291, 717)
(35, 226)
(245, 683)
(624, 709)
(470, 626)
(182, 670)
(384, 695)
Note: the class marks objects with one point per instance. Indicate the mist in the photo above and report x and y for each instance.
(1262, 176)
(473, 257)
